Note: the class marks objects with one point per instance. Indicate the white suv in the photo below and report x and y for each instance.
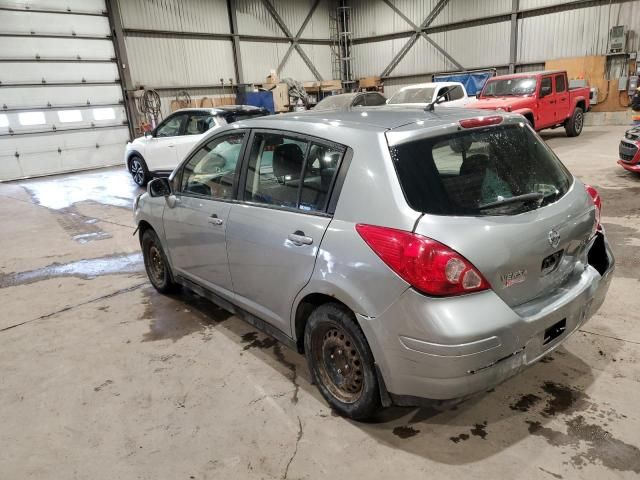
(158, 152)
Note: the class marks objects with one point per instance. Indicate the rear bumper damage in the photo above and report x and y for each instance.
(431, 349)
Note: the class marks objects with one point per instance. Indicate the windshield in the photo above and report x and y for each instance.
(470, 173)
(511, 86)
(413, 95)
(335, 101)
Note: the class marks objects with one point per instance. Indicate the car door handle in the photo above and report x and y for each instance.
(299, 238)
(214, 220)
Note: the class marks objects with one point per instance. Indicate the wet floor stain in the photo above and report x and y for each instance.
(172, 317)
(554, 475)
(86, 269)
(405, 432)
(108, 187)
(623, 243)
(252, 340)
(81, 228)
(562, 399)
(525, 402)
(460, 438)
(480, 430)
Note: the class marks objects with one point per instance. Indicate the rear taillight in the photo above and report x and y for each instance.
(597, 201)
(480, 121)
(427, 265)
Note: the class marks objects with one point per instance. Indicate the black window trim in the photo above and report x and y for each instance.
(329, 207)
(178, 178)
(564, 84)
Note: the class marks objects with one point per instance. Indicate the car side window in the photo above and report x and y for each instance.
(199, 123)
(560, 83)
(375, 99)
(290, 172)
(212, 169)
(545, 83)
(456, 93)
(359, 101)
(171, 127)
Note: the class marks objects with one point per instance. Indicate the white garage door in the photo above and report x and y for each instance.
(60, 97)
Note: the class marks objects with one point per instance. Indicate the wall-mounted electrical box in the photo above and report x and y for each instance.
(622, 83)
(633, 84)
(593, 95)
(617, 39)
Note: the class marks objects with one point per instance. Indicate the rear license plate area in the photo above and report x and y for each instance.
(554, 331)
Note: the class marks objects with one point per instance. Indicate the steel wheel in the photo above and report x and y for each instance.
(137, 171)
(339, 363)
(155, 265)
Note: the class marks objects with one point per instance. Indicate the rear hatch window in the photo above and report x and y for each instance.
(497, 170)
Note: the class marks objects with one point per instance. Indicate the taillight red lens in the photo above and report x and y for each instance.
(597, 201)
(427, 265)
(480, 121)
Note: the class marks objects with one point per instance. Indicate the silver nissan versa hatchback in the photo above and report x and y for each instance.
(411, 255)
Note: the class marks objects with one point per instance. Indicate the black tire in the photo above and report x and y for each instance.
(156, 264)
(138, 170)
(332, 338)
(573, 126)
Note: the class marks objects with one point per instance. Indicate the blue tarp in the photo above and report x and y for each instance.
(473, 82)
(257, 99)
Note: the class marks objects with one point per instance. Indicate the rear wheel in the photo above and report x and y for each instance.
(156, 264)
(573, 126)
(341, 362)
(138, 170)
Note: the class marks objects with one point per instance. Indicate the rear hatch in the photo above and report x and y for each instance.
(500, 197)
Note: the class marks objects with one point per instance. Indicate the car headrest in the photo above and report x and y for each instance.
(474, 163)
(202, 125)
(287, 161)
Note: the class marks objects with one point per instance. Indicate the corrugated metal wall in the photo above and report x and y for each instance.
(574, 32)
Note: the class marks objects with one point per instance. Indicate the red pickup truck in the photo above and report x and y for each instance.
(544, 98)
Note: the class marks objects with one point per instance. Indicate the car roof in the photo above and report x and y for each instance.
(219, 109)
(372, 119)
(430, 85)
(527, 74)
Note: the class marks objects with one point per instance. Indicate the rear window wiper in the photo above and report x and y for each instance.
(526, 198)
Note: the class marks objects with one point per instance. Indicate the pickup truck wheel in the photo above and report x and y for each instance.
(573, 126)
(156, 264)
(138, 170)
(341, 362)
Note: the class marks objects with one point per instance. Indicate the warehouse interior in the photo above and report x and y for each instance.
(104, 377)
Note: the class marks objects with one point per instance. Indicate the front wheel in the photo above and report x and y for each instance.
(138, 170)
(573, 126)
(156, 264)
(341, 362)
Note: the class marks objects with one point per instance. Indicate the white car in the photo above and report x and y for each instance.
(455, 95)
(158, 152)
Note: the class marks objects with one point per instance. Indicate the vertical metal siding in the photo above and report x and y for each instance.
(574, 33)
(157, 62)
(208, 16)
(254, 19)
(456, 11)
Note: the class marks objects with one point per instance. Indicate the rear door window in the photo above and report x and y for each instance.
(465, 173)
(290, 171)
(198, 123)
(560, 84)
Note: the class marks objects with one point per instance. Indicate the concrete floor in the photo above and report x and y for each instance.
(104, 378)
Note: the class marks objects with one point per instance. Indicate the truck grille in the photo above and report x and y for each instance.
(627, 151)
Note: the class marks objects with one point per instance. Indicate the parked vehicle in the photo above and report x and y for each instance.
(159, 151)
(454, 94)
(478, 254)
(543, 98)
(347, 100)
(630, 150)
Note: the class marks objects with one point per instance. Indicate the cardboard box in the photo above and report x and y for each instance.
(331, 85)
(369, 82)
(272, 77)
(280, 93)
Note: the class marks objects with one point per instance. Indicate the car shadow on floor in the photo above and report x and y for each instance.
(534, 403)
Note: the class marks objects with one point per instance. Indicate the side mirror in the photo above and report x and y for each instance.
(148, 134)
(159, 187)
(544, 91)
